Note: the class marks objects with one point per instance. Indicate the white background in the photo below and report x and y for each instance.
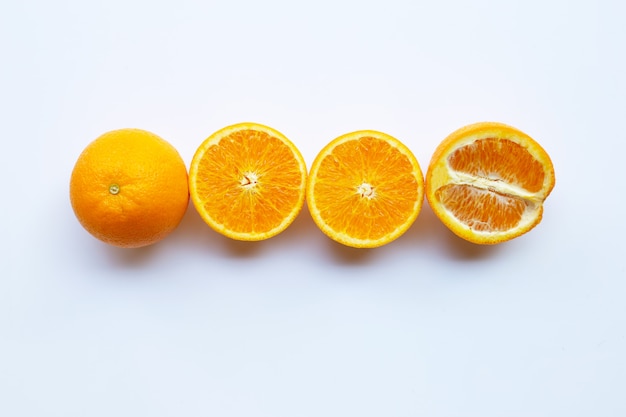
(199, 325)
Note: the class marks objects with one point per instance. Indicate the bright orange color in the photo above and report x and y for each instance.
(247, 181)
(365, 189)
(487, 182)
(129, 188)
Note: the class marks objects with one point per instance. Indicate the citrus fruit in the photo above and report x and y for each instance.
(129, 188)
(365, 189)
(487, 182)
(247, 181)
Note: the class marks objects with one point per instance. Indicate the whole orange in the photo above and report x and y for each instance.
(129, 188)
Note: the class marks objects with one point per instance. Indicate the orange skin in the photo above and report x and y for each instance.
(129, 188)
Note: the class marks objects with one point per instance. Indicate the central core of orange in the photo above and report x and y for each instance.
(366, 190)
(249, 180)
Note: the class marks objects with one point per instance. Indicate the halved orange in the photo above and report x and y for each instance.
(365, 189)
(487, 182)
(247, 181)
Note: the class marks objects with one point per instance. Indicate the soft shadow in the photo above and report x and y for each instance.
(132, 257)
(461, 249)
(192, 233)
(238, 248)
(346, 255)
(429, 232)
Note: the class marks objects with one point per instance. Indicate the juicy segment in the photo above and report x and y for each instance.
(252, 191)
(493, 185)
(481, 209)
(499, 160)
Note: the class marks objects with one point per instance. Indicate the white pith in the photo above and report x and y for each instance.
(365, 190)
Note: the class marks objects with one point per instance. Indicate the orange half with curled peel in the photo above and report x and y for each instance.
(487, 182)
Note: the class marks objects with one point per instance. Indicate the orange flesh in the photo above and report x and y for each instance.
(355, 193)
(499, 159)
(489, 210)
(251, 180)
(482, 210)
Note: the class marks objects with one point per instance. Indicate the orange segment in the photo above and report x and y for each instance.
(489, 211)
(365, 189)
(487, 182)
(247, 181)
(499, 159)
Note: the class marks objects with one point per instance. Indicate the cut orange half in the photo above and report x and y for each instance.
(365, 189)
(487, 182)
(247, 181)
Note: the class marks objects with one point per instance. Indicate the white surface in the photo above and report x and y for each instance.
(198, 325)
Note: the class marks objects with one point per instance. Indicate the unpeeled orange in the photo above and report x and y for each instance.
(129, 188)
(487, 182)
